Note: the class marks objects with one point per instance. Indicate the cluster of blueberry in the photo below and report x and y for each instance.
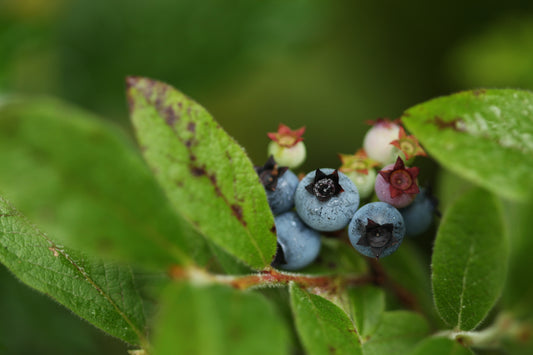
(327, 200)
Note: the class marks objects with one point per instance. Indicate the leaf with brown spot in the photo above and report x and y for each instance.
(84, 181)
(484, 136)
(220, 190)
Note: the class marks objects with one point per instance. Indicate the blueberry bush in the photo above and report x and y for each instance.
(182, 254)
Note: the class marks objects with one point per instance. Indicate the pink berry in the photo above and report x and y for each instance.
(397, 184)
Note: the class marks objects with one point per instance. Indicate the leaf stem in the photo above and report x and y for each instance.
(270, 277)
(506, 327)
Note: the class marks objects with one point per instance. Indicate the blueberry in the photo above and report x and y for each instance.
(298, 245)
(326, 200)
(376, 230)
(419, 215)
(280, 185)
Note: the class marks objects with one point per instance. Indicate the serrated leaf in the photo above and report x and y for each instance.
(469, 259)
(440, 346)
(102, 293)
(397, 333)
(484, 136)
(215, 319)
(367, 305)
(205, 173)
(323, 327)
(83, 182)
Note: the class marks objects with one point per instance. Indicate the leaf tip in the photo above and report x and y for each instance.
(131, 81)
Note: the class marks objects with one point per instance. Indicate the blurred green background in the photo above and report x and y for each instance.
(328, 65)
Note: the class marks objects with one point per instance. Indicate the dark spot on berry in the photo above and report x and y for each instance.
(273, 229)
(377, 236)
(191, 127)
(325, 186)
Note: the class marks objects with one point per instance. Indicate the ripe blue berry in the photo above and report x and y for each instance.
(419, 215)
(298, 245)
(376, 230)
(280, 185)
(326, 200)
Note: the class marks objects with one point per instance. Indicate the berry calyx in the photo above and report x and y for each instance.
(287, 146)
(408, 145)
(280, 184)
(402, 180)
(358, 162)
(378, 237)
(270, 173)
(326, 200)
(285, 137)
(325, 186)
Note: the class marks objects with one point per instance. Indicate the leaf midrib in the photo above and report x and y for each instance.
(142, 339)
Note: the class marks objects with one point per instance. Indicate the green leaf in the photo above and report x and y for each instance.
(397, 333)
(409, 270)
(228, 264)
(82, 181)
(35, 324)
(215, 319)
(205, 173)
(440, 346)
(104, 294)
(518, 292)
(323, 327)
(367, 306)
(449, 188)
(484, 136)
(469, 259)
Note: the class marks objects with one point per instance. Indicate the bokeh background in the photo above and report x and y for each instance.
(328, 65)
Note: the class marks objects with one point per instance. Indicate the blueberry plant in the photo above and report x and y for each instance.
(198, 250)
